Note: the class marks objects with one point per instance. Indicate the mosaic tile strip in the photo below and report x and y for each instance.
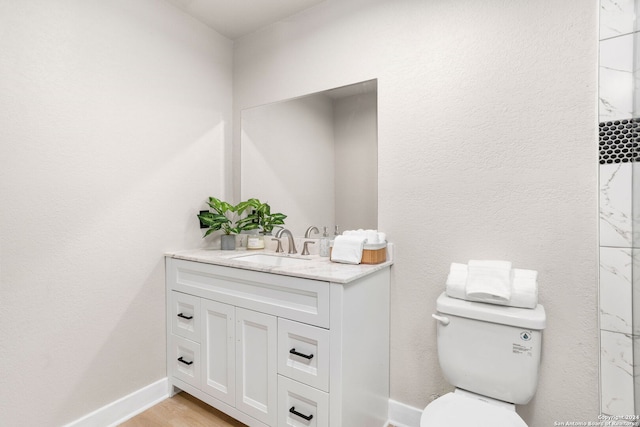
(620, 141)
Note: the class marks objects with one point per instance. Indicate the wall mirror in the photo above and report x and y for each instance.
(315, 158)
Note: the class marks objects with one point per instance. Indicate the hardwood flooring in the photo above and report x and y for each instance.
(182, 410)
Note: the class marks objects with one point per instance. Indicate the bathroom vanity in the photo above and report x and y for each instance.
(280, 341)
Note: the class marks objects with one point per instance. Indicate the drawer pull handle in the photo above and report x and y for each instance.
(294, 412)
(185, 317)
(180, 359)
(306, 356)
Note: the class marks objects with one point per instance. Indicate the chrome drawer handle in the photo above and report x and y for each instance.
(180, 359)
(294, 412)
(306, 356)
(185, 317)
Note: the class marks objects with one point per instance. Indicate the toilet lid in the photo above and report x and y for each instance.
(455, 410)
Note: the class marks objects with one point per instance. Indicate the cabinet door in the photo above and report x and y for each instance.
(256, 367)
(218, 351)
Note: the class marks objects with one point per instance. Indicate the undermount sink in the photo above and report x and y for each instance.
(272, 260)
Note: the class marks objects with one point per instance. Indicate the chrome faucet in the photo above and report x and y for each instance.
(292, 245)
(305, 248)
(279, 247)
(307, 234)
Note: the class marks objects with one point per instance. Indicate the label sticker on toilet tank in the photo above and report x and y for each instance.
(522, 349)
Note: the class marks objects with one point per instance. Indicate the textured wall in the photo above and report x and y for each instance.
(113, 120)
(487, 149)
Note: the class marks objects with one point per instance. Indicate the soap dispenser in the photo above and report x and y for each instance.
(324, 243)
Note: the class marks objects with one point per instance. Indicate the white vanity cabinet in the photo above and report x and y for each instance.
(277, 350)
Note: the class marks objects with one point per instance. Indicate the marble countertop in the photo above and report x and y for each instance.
(316, 267)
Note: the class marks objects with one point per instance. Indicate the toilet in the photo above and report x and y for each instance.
(491, 354)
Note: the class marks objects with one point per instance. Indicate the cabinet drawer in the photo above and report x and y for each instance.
(300, 405)
(184, 360)
(185, 315)
(304, 300)
(303, 353)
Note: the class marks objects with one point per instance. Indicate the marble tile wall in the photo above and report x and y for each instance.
(619, 99)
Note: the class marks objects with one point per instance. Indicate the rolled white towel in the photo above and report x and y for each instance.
(373, 236)
(524, 288)
(348, 249)
(457, 281)
(489, 280)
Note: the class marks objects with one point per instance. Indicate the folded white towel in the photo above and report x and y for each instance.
(489, 280)
(372, 236)
(524, 287)
(457, 281)
(348, 249)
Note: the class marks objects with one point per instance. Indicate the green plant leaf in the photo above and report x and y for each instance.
(227, 207)
(242, 206)
(215, 204)
(209, 231)
(204, 215)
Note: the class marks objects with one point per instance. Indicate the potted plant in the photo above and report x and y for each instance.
(263, 216)
(227, 217)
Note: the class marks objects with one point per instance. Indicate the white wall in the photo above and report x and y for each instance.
(487, 149)
(113, 118)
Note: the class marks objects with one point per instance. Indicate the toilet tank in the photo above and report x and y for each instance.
(490, 349)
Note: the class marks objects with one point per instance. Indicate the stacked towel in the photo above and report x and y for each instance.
(523, 287)
(489, 281)
(372, 236)
(347, 249)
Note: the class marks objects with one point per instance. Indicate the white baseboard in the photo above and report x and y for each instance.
(401, 415)
(126, 407)
(117, 412)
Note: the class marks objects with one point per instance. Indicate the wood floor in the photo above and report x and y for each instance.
(182, 410)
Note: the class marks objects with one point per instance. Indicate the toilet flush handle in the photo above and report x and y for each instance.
(441, 319)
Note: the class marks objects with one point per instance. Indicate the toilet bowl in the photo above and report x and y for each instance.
(465, 409)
